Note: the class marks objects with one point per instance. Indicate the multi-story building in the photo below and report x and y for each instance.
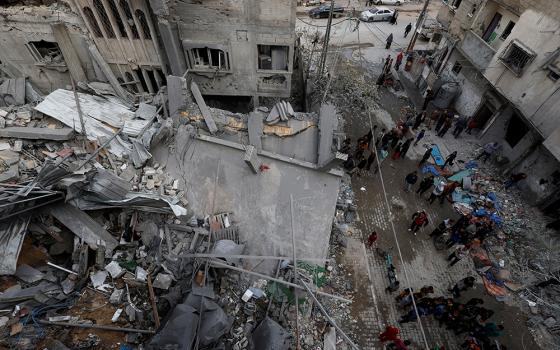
(231, 48)
(505, 57)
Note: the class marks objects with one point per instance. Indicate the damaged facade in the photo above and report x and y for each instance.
(247, 50)
(236, 48)
(500, 60)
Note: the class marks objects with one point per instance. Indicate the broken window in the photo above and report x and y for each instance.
(456, 4)
(104, 18)
(516, 130)
(90, 17)
(516, 57)
(209, 58)
(508, 30)
(118, 19)
(457, 67)
(273, 57)
(129, 19)
(45, 51)
(144, 24)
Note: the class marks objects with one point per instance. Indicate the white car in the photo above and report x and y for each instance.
(388, 2)
(377, 14)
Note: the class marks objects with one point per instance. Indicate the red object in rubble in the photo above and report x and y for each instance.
(263, 168)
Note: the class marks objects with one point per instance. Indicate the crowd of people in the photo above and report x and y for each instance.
(470, 317)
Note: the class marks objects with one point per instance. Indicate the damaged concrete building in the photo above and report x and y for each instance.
(235, 48)
(503, 58)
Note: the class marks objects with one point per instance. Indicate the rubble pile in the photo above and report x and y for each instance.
(101, 249)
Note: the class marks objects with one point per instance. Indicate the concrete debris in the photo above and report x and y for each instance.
(62, 134)
(281, 112)
(210, 123)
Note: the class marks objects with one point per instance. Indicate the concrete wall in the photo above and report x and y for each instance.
(20, 25)
(237, 27)
(473, 84)
(485, 17)
(533, 93)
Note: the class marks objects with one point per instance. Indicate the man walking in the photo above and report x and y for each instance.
(405, 147)
(420, 136)
(419, 119)
(372, 238)
(438, 191)
(425, 184)
(407, 29)
(419, 219)
(449, 160)
(460, 125)
(399, 60)
(410, 180)
(425, 157)
(488, 150)
(389, 41)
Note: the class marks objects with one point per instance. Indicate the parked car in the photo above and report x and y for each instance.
(323, 11)
(388, 2)
(312, 3)
(377, 14)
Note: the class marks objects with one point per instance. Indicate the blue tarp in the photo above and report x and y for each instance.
(430, 169)
(461, 197)
(471, 164)
(457, 177)
(436, 155)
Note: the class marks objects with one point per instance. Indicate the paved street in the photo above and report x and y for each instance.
(422, 264)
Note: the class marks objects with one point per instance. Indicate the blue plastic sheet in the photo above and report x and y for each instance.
(457, 177)
(461, 197)
(436, 155)
(430, 169)
(471, 164)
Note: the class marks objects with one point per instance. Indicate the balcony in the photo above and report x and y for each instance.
(476, 50)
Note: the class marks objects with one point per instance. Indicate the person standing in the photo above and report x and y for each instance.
(372, 238)
(429, 97)
(397, 151)
(391, 333)
(370, 160)
(425, 184)
(405, 147)
(461, 286)
(389, 41)
(410, 180)
(379, 137)
(382, 155)
(460, 125)
(420, 136)
(446, 125)
(461, 251)
(438, 191)
(419, 119)
(419, 219)
(514, 179)
(394, 18)
(441, 120)
(425, 157)
(488, 150)
(398, 60)
(407, 29)
(449, 160)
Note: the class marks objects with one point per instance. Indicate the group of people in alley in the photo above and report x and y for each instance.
(470, 317)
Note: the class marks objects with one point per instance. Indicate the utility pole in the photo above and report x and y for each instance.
(326, 41)
(418, 26)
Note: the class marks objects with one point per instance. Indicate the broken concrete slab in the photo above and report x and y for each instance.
(28, 274)
(83, 226)
(68, 50)
(9, 157)
(146, 111)
(28, 133)
(251, 159)
(177, 95)
(10, 174)
(255, 126)
(173, 47)
(12, 92)
(210, 123)
(98, 58)
(12, 233)
(328, 123)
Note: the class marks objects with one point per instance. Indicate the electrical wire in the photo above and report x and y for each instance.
(318, 26)
(327, 87)
(418, 319)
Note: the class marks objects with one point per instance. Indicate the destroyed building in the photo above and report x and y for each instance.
(246, 51)
(498, 63)
(233, 48)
